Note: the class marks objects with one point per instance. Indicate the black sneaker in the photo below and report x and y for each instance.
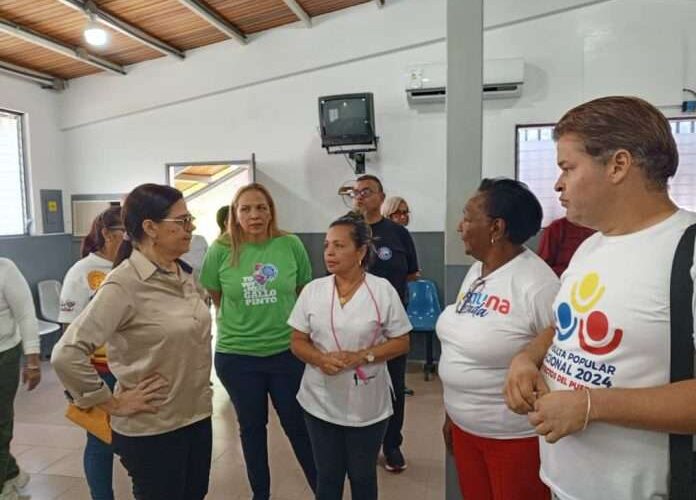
(394, 461)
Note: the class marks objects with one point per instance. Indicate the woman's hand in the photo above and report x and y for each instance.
(352, 359)
(559, 413)
(31, 372)
(447, 433)
(523, 384)
(332, 363)
(144, 398)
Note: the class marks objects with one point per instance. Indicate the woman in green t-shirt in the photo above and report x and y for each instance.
(254, 273)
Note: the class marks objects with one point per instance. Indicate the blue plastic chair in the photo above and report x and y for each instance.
(423, 311)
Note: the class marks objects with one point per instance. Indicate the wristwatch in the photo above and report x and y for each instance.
(370, 357)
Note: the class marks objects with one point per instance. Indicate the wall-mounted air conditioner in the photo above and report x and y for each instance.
(502, 78)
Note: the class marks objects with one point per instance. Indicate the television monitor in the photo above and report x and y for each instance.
(347, 119)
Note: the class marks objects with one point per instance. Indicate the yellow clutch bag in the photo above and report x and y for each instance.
(95, 420)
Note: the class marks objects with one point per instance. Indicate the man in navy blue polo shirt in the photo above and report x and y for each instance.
(397, 262)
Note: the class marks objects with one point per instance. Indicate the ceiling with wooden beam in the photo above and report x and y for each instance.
(169, 21)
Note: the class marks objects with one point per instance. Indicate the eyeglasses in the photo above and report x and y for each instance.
(473, 291)
(401, 212)
(361, 193)
(186, 221)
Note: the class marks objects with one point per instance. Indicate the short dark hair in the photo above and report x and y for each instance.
(513, 202)
(221, 217)
(368, 177)
(360, 233)
(617, 122)
(147, 201)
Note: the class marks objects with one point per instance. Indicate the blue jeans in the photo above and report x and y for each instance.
(98, 459)
(340, 450)
(249, 380)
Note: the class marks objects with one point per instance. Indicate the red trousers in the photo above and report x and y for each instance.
(498, 469)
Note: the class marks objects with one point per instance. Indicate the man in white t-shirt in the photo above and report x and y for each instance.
(596, 386)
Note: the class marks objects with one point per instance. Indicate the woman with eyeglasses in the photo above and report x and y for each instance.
(504, 301)
(155, 323)
(254, 273)
(396, 209)
(98, 251)
(346, 327)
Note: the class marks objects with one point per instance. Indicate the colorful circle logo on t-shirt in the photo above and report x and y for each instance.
(265, 273)
(585, 296)
(566, 323)
(95, 279)
(384, 253)
(594, 332)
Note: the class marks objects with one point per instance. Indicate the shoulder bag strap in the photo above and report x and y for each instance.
(681, 454)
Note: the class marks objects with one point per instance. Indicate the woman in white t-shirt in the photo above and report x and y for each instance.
(81, 282)
(504, 301)
(346, 326)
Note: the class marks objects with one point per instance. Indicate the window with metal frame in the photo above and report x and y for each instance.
(13, 199)
(536, 165)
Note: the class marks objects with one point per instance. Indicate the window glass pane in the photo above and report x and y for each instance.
(12, 201)
(682, 187)
(536, 166)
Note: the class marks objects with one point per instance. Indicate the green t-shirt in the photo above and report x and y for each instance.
(257, 295)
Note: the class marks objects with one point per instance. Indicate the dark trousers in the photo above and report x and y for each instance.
(9, 381)
(340, 450)
(250, 380)
(170, 466)
(397, 372)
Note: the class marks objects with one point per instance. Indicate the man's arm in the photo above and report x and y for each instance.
(668, 408)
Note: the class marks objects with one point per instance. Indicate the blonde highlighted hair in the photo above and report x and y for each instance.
(391, 205)
(235, 233)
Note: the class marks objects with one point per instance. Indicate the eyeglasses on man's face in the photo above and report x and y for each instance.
(361, 193)
(185, 221)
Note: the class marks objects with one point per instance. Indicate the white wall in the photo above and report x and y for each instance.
(43, 140)
(120, 132)
(635, 47)
(226, 101)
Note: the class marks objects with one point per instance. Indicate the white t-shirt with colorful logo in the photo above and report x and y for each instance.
(492, 320)
(613, 330)
(80, 284)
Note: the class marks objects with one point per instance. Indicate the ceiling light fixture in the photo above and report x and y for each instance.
(94, 33)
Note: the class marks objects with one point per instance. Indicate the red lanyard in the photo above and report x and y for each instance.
(378, 329)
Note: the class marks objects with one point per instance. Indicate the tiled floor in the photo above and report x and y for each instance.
(50, 448)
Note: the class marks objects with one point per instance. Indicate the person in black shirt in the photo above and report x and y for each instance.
(397, 262)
